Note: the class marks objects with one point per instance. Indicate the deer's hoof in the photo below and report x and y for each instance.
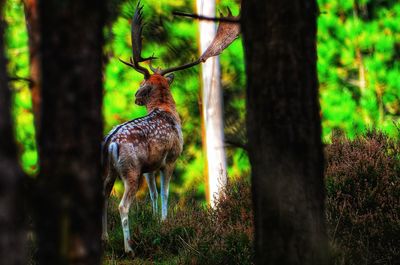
(104, 241)
(104, 238)
(129, 252)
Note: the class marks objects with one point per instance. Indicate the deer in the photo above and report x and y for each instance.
(153, 143)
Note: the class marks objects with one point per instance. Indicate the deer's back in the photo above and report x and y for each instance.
(147, 143)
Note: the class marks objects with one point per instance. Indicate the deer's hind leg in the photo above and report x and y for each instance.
(108, 185)
(131, 183)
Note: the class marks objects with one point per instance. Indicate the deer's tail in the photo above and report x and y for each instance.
(113, 152)
(109, 156)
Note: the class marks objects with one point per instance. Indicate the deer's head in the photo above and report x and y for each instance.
(155, 87)
(160, 80)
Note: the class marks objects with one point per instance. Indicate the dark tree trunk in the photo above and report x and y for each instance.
(284, 131)
(32, 25)
(69, 189)
(12, 232)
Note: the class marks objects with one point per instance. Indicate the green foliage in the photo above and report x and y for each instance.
(18, 60)
(358, 68)
(174, 41)
(358, 65)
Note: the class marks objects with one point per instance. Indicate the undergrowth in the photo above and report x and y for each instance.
(362, 178)
(192, 233)
(363, 199)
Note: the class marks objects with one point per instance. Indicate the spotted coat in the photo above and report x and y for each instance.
(152, 141)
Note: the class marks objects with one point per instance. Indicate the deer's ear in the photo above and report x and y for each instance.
(170, 78)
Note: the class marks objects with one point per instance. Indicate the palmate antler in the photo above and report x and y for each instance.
(227, 32)
(136, 39)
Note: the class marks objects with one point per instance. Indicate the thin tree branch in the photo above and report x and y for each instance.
(17, 78)
(200, 17)
(237, 144)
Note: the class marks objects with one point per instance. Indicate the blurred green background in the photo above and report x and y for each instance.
(358, 69)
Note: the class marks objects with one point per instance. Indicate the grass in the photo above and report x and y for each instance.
(192, 233)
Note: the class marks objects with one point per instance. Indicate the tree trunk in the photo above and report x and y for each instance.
(32, 25)
(284, 131)
(69, 190)
(212, 103)
(12, 230)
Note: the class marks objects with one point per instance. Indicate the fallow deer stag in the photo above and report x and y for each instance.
(151, 143)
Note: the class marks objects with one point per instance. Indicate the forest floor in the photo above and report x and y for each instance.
(192, 233)
(362, 206)
(362, 180)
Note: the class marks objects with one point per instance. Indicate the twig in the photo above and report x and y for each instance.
(17, 78)
(216, 19)
(189, 246)
(234, 143)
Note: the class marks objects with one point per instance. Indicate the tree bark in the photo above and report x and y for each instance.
(12, 230)
(32, 25)
(284, 131)
(69, 186)
(212, 104)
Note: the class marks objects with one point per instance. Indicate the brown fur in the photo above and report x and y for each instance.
(143, 145)
(161, 97)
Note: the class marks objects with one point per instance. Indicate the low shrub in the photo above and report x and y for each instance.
(192, 233)
(362, 210)
(363, 195)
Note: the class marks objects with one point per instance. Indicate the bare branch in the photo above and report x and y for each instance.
(24, 79)
(200, 17)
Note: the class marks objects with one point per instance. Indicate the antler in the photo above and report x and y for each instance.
(136, 38)
(227, 32)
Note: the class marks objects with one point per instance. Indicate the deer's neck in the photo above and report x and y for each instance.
(164, 102)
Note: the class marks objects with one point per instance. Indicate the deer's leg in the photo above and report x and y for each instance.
(166, 174)
(151, 182)
(108, 185)
(130, 186)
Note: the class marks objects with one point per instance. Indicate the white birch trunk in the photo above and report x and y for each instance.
(212, 103)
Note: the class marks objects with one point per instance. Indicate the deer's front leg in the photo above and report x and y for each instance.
(131, 186)
(166, 174)
(151, 182)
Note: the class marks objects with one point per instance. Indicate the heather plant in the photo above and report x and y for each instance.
(362, 179)
(192, 233)
(363, 198)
